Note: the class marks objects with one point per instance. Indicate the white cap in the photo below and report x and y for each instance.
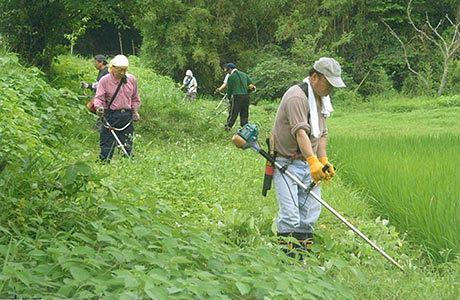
(189, 73)
(330, 68)
(119, 61)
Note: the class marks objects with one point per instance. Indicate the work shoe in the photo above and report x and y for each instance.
(307, 243)
(287, 248)
(300, 249)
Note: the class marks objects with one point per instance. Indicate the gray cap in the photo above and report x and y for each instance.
(100, 57)
(330, 68)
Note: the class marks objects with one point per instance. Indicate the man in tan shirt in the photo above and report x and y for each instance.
(300, 134)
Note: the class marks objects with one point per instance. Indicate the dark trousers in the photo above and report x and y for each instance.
(107, 142)
(239, 105)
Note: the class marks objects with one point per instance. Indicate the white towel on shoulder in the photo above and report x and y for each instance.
(325, 110)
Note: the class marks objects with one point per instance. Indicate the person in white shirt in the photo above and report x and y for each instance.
(191, 84)
(224, 85)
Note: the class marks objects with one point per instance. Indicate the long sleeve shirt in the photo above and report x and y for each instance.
(127, 97)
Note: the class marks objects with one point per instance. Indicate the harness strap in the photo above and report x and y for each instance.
(111, 128)
(122, 80)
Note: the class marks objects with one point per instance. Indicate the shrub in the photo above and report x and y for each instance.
(274, 76)
(414, 86)
(453, 79)
(377, 82)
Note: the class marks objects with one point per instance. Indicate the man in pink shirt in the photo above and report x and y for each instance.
(118, 111)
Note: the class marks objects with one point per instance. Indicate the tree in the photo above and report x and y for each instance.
(79, 30)
(36, 28)
(447, 40)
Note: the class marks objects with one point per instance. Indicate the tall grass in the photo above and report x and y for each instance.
(414, 181)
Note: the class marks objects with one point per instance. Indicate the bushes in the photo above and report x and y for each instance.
(274, 76)
(34, 115)
(453, 79)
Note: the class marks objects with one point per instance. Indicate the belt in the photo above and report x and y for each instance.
(121, 110)
(292, 156)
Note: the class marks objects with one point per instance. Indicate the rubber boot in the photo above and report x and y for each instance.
(285, 245)
(304, 245)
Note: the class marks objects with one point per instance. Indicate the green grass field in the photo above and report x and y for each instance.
(186, 220)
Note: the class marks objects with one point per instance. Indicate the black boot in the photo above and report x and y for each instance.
(307, 243)
(285, 245)
(304, 245)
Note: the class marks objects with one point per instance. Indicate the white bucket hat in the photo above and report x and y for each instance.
(188, 73)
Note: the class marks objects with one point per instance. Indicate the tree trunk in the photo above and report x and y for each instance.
(121, 43)
(444, 76)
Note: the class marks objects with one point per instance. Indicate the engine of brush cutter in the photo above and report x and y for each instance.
(248, 132)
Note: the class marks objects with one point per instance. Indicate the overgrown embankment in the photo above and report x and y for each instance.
(131, 229)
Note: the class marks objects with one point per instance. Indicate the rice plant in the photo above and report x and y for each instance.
(414, 181)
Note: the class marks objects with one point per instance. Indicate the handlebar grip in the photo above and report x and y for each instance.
(326, 167)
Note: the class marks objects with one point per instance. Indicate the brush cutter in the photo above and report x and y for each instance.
(113, 129)
(221, 100)
(246, 137)
(227, 106)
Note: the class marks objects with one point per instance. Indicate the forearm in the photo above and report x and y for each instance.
(304, 143)
(322, 147)
(220, 88)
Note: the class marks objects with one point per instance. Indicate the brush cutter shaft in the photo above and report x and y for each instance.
(247, 138)
(119, 142)
(323, 203)
(112, 130)
(226, 107)
(222, 100)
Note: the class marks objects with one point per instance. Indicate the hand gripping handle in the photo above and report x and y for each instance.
(313, 184)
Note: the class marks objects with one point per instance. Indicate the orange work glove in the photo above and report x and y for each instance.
(330, 172)
(316, 169)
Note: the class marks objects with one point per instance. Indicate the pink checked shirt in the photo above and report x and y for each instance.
(127, 97)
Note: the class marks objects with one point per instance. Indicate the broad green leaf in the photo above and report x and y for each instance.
(156, 293)
(131, 282)
(141, 231)
(79, 274)
(83, 250)
(243, 288)
(24, 276)
(179, 260)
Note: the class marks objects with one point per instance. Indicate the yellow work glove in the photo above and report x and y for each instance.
(330, 172)
(316, 169)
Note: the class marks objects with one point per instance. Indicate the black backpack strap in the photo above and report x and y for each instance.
(304, 87)
(122, 80)
(239, 76)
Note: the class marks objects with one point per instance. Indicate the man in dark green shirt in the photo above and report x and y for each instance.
(237, 86)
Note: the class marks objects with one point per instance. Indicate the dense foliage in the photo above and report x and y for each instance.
(273, 36)
(38, 30)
